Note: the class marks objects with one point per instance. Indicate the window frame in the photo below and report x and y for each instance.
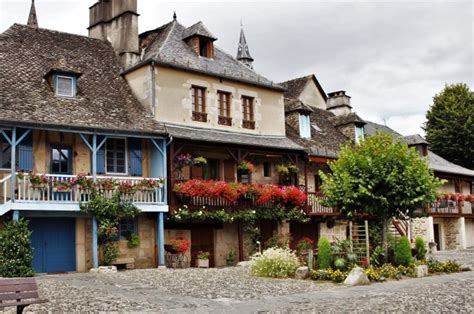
(56, 85)
(248, 110)
(126, 156)
(69, 161)
(200, 116)
(119, 227)
(226, 118)
(305, 125)
(266, 164)
(356, 136)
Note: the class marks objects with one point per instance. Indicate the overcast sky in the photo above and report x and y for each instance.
(392, 57)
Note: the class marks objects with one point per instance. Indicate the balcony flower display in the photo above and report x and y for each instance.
(126, 187)
(83, 182)
(37, 181)
(62, 186)
(107, 183)
(246, 166)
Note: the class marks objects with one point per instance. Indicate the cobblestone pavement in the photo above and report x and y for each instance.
(233, 290)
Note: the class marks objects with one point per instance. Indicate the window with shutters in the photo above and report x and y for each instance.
(198, 98)
(5, 151)
(223, 99)
(248, 113)
(116, 156)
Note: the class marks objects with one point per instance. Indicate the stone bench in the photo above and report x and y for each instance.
(129, 262)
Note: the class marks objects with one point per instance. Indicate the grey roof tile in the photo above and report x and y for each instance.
(198, 29)
(104, 99)
(165, 46)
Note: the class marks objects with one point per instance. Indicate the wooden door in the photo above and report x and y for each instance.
(301, 230)
(202, 239)
(229, 171)
(436, 236)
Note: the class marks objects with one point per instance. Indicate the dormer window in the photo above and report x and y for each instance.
(305, 125)
(359, 133)
(64, 86)
(205, 47)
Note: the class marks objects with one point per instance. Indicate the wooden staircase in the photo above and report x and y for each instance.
(400, 226)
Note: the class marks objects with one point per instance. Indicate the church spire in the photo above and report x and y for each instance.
(32, 20)
(243, 54)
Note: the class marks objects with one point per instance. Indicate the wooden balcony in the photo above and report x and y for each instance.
(449, 208)
(316, 208)
(48, 197)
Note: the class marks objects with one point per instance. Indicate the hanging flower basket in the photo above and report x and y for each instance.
(246, 167)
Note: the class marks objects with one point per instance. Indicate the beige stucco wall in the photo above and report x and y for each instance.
(81, 244)
(338, 232)
(174, 105)
(312, 97)
(144, 254)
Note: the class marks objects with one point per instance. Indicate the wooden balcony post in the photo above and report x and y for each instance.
(13, 163)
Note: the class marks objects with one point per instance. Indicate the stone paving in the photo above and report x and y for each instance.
(233, 290)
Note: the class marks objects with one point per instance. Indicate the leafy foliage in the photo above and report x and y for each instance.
(420, 247)
(16, 254)
(377, 257)
(133, 240)
(324, 253)
(276, 263)
(402, 254)
(329, 274)
(279, 240)
(380, 177)
(388, 271)
(451, 120)
(443, 267)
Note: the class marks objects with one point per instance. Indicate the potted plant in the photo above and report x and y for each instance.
(246, 167)
(181, 161)
(133, 240)
(38, 181)
(282, 169)
(107, 184)
(126, 188)
(200, 161)
(230, 258)
(305, 249)
(202, 260)
(62, 186)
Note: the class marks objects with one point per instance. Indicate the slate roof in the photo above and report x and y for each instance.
(346, 119)
(325, 142)
(226, 137)
(198, 29)
(104, 99)
(438, 163)
(415, 139)
(165, 46)
(295, 87)
(296, 105)
(435, 162)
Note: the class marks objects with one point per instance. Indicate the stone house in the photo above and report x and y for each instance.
(65, 110)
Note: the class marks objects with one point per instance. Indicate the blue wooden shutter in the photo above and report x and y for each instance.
(135, 146)
(101, 156)
(25, 154)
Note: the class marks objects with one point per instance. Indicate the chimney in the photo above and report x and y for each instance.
(117, 22)
(339, 103)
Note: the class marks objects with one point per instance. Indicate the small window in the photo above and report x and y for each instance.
(204, 48)
(127, 227)
(5, 152)
(248, 113)
(267, 169)
(65, 86)
(223, 99)
(305, 126)
(198, 98)
(359, 133)
(211, 170)
(116, 157)
(60, 160)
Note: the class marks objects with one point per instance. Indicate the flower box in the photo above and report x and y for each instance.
(202, 263)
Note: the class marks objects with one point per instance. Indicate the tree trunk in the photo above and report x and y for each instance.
(385, 239)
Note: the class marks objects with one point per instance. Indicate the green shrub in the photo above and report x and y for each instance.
(133, 240)
(374, 274)
(402, 253)
(377, 257)
(16, 254)
(329, 274)
(340, 263)
(443, 267)
(420, 247)
(324, 253)
(110, 253)
(276, 263)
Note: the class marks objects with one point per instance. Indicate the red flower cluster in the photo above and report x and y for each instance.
(287, 195)
(457, 197)
(180, 245)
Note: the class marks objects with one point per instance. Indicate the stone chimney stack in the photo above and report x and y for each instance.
(117, 22)
(339, 103)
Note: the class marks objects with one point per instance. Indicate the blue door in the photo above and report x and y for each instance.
(54, 244)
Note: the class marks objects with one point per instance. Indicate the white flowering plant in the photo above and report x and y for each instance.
(275, 263)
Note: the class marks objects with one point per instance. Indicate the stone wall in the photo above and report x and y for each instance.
(338, 232)
(452, 236)
(419, 228)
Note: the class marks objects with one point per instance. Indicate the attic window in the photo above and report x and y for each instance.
(65, 86)
(305, 129)
(205, 48)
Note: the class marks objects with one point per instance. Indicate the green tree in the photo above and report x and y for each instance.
(450, 125)
(379, 177)
(16, 254)
(402, 254)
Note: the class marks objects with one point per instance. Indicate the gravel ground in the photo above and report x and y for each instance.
(233, 290)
